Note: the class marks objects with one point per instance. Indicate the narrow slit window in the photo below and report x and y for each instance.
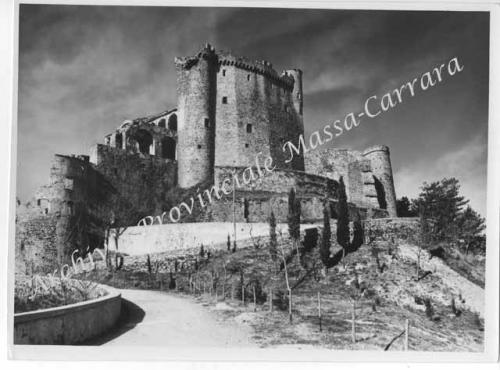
(224, 100)
(207, 123)
(248, 77)
(249, 128)
(223, 72)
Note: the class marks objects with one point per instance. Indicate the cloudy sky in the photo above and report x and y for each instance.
(84, 69)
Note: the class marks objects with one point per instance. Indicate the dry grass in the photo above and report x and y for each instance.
(386, 294)
(40, 292)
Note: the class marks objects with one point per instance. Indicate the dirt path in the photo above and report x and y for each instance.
(160, 319)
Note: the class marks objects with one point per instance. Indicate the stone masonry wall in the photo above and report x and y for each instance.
(394, 230)
(36, 244)
(143, 181)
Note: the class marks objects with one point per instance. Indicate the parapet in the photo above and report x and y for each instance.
(376, 148)
(261, 67)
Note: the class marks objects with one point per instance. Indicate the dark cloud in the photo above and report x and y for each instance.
(84, 69)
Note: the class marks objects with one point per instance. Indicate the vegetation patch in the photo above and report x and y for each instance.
(40, 292)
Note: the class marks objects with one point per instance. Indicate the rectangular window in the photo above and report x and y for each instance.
(249, 128)
(246, 145)
(68, 184)
(223, 72)
(207, 123)
(248, 77)
(224, 100)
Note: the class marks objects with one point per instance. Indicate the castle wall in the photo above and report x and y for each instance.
(355, 169)
(82, 199)
(246, 110)
(51, 226)
(256, 112)
(259, 208)
(279, 181)
(143, 181)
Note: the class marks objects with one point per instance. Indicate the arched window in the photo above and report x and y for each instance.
(161, 123)
(144, 139)
(172, 122)
(168, 148)
(118, 140)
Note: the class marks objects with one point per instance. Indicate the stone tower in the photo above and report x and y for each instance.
(382, 172)
(297, 90)
(196, 94)
(298, 104)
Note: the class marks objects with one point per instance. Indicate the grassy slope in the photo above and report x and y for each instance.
(388, 298)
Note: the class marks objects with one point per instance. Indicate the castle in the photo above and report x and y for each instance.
(228, 109)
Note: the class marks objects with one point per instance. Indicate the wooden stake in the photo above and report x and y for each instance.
(290, 304)
(319, 311)
(353, 331)
(270, 300)
(232, 292)
(407, 327)
(203, 287)
(243, 294)
(254, 301)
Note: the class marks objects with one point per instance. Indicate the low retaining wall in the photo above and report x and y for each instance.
(140, 240)
(394, 230)
(69, 324)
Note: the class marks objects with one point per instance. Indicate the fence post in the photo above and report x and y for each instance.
(407, 327)
(270, 300)
(353, 316)
(254, 301)
(319, 310)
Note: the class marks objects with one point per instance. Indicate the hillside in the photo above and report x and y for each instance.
(443, 308)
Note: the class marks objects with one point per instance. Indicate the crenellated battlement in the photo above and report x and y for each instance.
(263, 68)
(207, 53)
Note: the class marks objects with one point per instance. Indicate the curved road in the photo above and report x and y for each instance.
(160, 319)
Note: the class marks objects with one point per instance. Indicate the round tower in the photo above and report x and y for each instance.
(196, 94)
(380, 159)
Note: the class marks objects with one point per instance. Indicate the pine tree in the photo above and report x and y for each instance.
(441, 205)
(470, 227)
